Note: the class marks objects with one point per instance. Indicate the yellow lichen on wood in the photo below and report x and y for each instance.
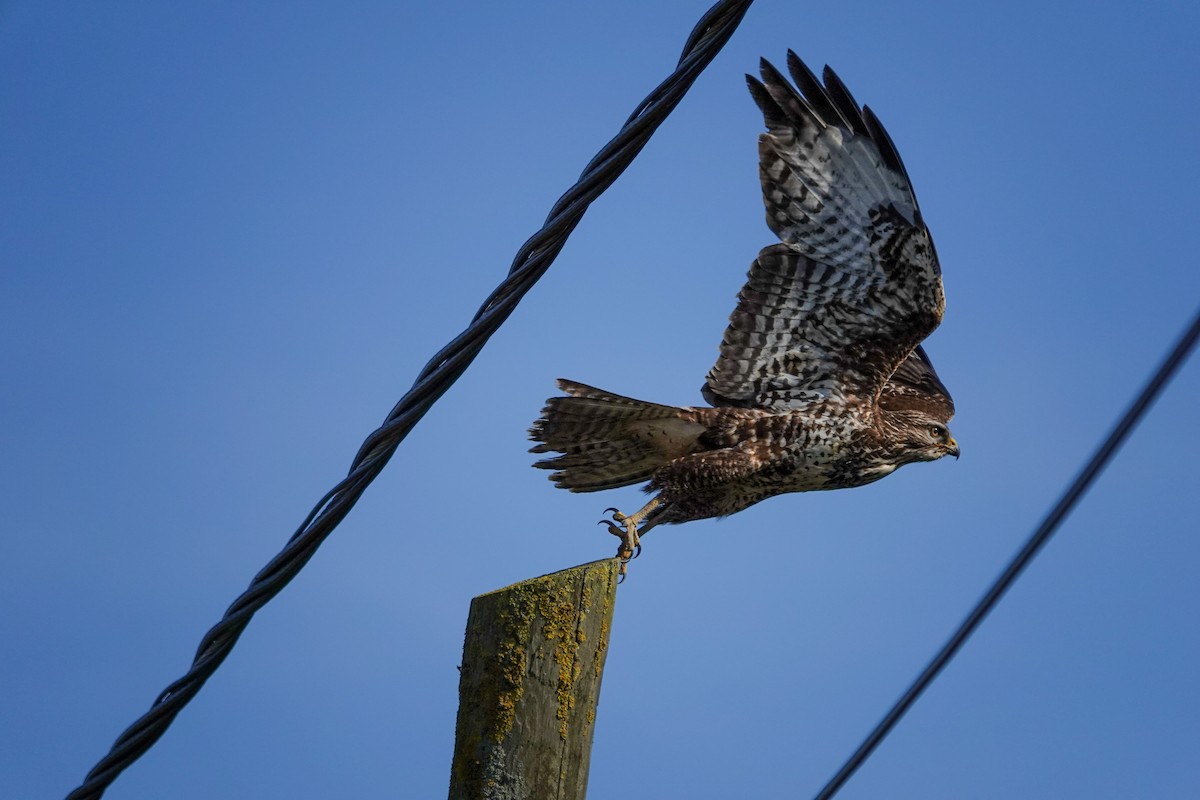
(532, 664)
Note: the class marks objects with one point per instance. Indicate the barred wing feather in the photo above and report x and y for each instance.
(854, 286)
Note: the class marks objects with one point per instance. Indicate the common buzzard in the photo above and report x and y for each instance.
(821, 382)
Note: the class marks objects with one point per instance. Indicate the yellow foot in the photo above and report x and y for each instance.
(631, 544)
(631, 541)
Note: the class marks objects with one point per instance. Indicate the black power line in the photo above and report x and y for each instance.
(1049, 525)
(531, 262)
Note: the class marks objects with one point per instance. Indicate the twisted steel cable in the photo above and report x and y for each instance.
(1150, 391)
(531, 262)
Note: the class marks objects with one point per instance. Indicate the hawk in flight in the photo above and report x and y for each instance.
(821, 382)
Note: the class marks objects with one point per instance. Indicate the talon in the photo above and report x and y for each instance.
(623, 569)
(625, 527)
(616, 515)
(630, 545)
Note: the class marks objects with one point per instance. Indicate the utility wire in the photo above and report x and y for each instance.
(1074, 492)
(531, 262)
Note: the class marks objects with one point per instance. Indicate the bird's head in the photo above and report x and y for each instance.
(920, 436)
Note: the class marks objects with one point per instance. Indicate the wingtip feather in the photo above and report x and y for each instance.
(849, 108)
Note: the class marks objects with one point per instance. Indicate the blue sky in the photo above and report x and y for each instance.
(232, 234)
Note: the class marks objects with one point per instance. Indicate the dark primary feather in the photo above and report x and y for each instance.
(887, 148)
(842, 99)
(807, 82)
(781, 105)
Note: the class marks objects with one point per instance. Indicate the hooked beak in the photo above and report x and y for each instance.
(952, 448)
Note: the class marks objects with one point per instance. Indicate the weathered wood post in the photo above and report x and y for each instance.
(531, 668)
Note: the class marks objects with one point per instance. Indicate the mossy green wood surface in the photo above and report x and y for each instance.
(531, 669)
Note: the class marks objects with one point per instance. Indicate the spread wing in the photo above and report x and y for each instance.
(854, 286)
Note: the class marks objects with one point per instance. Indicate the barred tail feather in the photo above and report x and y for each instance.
(606, 440)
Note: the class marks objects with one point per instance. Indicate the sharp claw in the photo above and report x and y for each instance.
(622, 570)
(616, 515)
(613, 529)
(621, 526)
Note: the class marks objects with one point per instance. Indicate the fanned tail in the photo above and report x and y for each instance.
(606, 440)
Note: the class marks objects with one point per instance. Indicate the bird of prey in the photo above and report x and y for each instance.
(821, 381)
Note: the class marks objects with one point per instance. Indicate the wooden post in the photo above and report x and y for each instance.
(532, 662)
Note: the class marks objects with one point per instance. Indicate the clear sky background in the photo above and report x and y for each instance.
(232, 233)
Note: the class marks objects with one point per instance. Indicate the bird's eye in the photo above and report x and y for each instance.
(937, 432)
